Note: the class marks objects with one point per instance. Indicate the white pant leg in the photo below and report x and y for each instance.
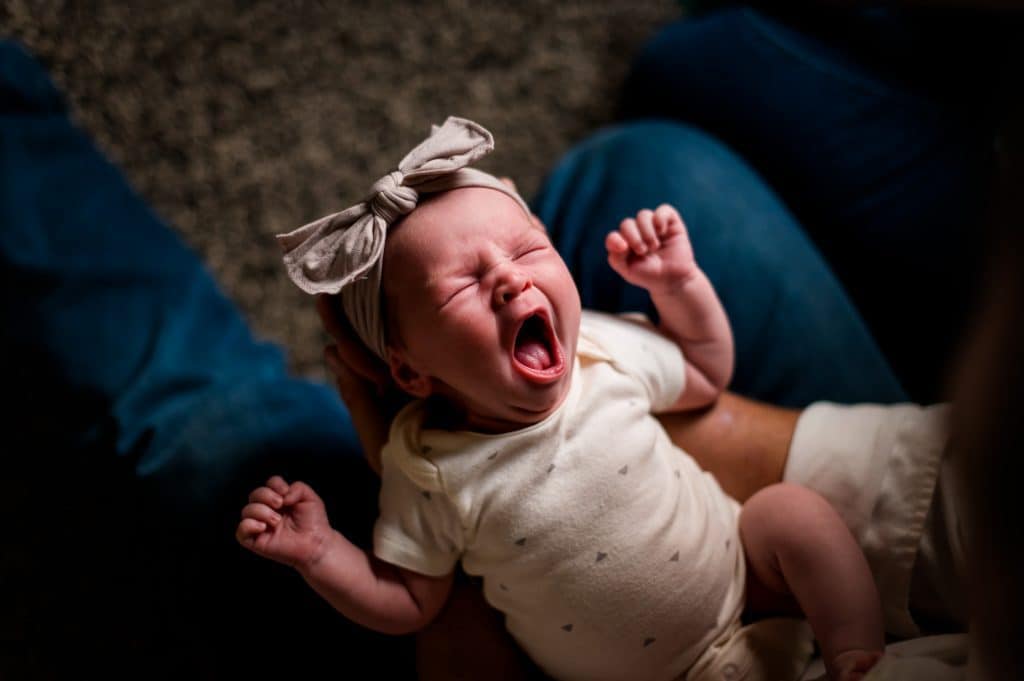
(880, 467)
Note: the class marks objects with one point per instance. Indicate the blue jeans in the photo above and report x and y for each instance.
(143, 413)
(885, 171)
(145, 410)
(798, 339)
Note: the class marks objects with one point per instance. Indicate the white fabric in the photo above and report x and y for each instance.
(544, 542)
(929, 658)
(878, 466)
(612, 555)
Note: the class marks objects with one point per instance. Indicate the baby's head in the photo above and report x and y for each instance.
(481, 309)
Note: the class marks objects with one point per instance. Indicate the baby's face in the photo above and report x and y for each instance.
(487, 312)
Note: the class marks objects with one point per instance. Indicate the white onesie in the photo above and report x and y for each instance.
(610, 552)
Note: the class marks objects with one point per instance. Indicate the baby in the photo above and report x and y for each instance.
(533, 455)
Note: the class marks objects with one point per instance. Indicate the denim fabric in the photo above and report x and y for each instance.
(140, 412)
(114, 331)
(886, 178)
(798, 338)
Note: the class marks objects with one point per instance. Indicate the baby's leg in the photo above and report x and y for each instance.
(797, 544)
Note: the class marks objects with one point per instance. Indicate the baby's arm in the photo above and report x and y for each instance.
(653, 251)
(288, 523)
(797, 545)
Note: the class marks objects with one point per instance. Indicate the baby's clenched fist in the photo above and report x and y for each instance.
(284, 522)
(652, 250)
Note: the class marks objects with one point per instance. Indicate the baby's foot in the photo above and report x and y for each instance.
(852, 665)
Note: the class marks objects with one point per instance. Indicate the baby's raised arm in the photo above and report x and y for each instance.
(653, 251)
(288, 523)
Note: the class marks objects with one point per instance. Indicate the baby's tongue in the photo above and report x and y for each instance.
(533, 353)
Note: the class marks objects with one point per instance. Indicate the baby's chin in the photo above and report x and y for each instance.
(460, 414)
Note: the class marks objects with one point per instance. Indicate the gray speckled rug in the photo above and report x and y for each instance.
(240, 120)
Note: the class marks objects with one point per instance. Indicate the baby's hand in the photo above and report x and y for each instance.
(286, 523)
(653, 250)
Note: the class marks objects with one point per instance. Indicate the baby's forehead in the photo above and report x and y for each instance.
(446, 225)
(422, 252)
(467, 207)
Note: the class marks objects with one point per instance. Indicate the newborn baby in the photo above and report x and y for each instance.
(532, 454)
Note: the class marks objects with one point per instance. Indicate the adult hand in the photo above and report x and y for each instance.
(363, 381)
(349, 349)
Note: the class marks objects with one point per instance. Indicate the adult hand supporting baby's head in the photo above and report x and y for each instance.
(363, 380)
(350, 349)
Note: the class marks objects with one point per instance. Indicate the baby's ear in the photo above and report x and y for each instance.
(408, 378)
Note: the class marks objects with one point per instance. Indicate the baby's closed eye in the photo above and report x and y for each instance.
(530, 248)
(463, 285)
(536, 250)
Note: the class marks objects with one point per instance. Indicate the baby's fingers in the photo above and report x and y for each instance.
(278, 484)
(261, 512)
(630, 231)
(667, 221)
(300, 491)
(645, 224)
(618, 251)
(265, 495)
(616, 243)
(248, 530)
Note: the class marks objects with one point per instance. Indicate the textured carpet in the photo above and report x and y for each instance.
(240, 120)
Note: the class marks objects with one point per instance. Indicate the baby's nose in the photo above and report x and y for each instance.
(511, 282)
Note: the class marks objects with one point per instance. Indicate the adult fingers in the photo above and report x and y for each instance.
(350, 349)
(369, 414)
(330, 316)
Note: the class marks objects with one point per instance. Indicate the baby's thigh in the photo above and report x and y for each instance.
(781, 519)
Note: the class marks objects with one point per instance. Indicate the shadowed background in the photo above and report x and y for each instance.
(240, 120)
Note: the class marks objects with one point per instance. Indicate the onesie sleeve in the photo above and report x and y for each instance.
(417, 529)
(636, 348)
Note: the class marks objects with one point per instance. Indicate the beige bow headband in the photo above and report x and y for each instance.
(344, 251)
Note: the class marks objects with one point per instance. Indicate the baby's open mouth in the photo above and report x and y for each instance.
(532, 347)
(536, 350)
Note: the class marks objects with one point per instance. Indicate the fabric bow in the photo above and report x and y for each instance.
(344, 251)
